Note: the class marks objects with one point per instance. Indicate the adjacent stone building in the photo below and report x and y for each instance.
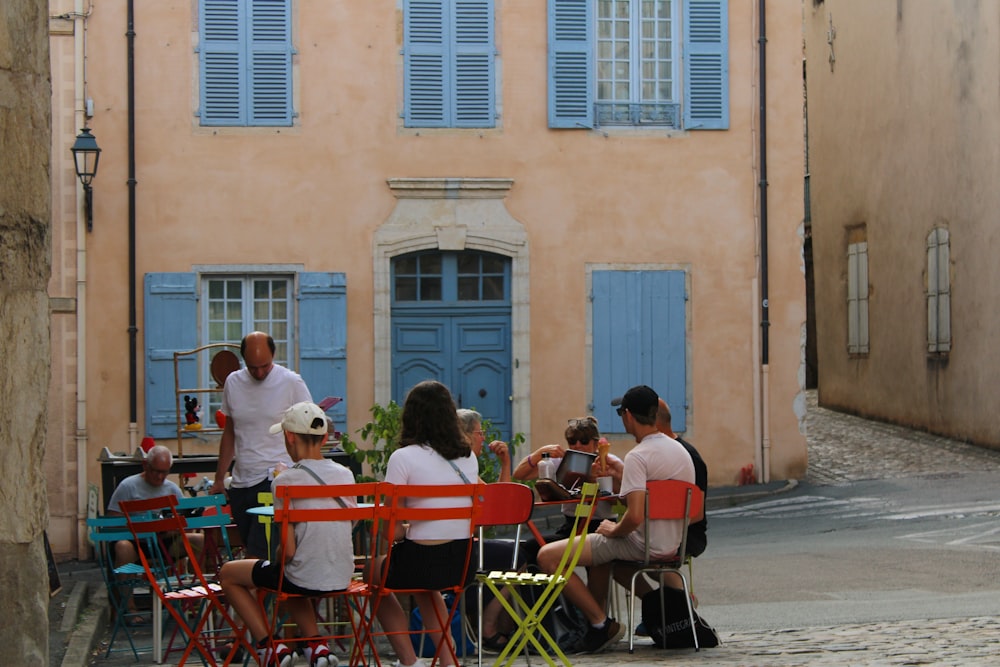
(904, 111)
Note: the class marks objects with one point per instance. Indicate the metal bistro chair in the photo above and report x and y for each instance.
(399, 511)
(122, 582)
(528, 616)
(504, 504)
(673, 500)
(212, 626)
(297, 504)
(211, 515)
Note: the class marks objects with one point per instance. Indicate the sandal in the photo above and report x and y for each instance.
(495, 643)
(135, 619)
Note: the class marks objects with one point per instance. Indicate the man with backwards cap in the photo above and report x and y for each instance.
(253, 398)
(654, 457)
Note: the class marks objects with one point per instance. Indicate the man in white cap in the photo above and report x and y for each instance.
(317, 558)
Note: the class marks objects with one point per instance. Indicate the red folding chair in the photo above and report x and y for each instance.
(666, 499)
(397, 510)
(289, 510)
(504, 504)
(212, 626)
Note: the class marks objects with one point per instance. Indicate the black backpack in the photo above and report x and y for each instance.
(677, 623)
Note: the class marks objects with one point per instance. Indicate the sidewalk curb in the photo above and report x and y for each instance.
(734, 495)
(85, 634)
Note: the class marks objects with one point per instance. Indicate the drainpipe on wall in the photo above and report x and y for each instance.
(80, 117)
(764, 475)
(133, 427)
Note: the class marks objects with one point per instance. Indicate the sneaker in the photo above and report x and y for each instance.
(641, 631)
(598, 639)
(418, 663)
(282, 656)
(318, 655)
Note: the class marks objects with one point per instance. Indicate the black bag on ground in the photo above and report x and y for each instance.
(678, 625)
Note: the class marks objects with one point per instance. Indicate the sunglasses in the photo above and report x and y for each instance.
(583, 441)
(620, 410)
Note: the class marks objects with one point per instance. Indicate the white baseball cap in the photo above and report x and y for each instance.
(305, 418)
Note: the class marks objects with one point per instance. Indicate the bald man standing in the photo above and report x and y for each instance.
(253, 398)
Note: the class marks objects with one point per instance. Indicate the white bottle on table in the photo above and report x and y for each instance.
(546, 467)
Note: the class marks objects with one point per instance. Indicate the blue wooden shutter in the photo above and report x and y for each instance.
(323, 338)
(426, 71)
(706, 65)
(639, 337)
(571, 76)
(171, 324)
(474, 63)
(221, 63)
(270, 54)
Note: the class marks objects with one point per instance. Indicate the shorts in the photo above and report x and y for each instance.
(429, 566)
(266, 574)
(606, 549)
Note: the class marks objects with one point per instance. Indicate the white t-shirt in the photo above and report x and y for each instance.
(419, 464)
(254, 406)
(657, 457)
(135, 487)
(324, 551)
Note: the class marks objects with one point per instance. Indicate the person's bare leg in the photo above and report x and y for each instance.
(576, 590)
(303, 616)
(237, 584)
(392, 618)
(125, 553)
(432, 607)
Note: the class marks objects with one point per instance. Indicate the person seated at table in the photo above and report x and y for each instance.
(581, 435)
(472, 425)
(654, 457)
(317, 558)
(152, 482)
(432, 451)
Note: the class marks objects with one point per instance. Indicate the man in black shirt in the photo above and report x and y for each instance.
(697, 538)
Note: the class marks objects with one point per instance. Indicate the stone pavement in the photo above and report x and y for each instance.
(842, 449)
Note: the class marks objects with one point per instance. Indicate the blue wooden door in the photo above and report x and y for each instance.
(451, 323)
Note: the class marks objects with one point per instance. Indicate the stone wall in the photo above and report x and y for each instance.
(24, 332)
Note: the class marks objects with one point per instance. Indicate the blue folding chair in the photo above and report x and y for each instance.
(125, 581)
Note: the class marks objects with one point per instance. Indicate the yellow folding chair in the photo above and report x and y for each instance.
(528, 617)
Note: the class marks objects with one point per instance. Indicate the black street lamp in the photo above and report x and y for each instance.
(85, 157)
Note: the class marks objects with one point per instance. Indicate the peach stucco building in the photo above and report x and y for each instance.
(539, 202)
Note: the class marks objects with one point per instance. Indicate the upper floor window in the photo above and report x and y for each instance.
(635, 62)
(449, 63)
(618, 62)
(857, 297)
(245, 62)
(938, 291)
